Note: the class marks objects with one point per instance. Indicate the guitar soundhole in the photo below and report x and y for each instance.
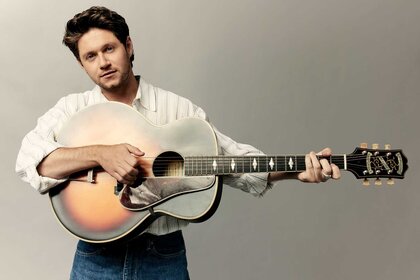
(168, 164)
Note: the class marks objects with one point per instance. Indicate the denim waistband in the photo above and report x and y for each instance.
(144, 241)
(169, 238)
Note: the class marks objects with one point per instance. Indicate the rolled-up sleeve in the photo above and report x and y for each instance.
(36, 145)
(254, 183)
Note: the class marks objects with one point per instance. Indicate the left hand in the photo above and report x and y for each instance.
(319, 170)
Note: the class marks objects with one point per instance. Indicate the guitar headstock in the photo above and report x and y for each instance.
(375, 163)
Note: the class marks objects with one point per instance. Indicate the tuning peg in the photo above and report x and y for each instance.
(375, 146)
(363, 145)
(390, 181)
(378, 182)
(387, 147)
(366, 183)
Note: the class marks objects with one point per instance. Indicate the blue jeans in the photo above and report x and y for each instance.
(146, 257)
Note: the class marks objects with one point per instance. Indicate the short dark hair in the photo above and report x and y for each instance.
(95, 17)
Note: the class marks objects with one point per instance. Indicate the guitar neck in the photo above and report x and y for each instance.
(225, 165)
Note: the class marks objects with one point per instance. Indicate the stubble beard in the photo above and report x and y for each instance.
(115, 87)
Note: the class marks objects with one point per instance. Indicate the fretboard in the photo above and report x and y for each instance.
(224, 165)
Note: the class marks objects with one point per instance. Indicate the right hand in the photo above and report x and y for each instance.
(120, 161)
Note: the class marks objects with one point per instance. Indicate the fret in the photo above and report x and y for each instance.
(205, 161)
(194, 166)
(263, 164)
(196, 173)
(221, 164)
(187, 167)
(198, 165)
(247, 164)
(186, 173)
(339, 160)
(201, 165)
(280, 163)
(300, 163)
(191, 166)
(208, 165)
(229, 165)
(240, 164)
(226, 167)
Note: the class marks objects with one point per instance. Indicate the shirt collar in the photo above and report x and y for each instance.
(146, 95)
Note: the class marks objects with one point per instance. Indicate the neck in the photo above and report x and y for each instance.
(124, 93)
(223, 165)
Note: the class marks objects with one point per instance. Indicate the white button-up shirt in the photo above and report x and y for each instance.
(159, 107)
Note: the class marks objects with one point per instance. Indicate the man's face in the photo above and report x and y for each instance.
(105, 59)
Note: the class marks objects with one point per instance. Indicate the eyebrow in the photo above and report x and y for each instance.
(104, 46)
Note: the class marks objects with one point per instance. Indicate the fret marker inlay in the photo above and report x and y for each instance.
(291, 163)
(254, 164)
(214, 165)
(271, 163)
(232, 165)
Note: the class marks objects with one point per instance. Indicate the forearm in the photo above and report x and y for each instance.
(64, 161)
(277, 176)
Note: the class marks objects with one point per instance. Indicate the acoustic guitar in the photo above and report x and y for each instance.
(181, 172)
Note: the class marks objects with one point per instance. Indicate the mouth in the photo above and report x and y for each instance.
(108, 73)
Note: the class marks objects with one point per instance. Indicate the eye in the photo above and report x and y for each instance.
(90, 56)
(109, 48)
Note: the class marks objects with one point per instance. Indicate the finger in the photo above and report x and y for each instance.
(308, 162)
(118, 177)
(326, 167)
(326, 152)
(309, 169)
(126, 176)
(132, 171)
(317, 167)
(134, 150)
(325, 164)
(336, 173)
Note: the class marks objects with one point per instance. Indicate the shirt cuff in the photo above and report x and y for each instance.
(41, 183)
(255, 183)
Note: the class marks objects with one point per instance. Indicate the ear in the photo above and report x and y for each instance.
(129, 46)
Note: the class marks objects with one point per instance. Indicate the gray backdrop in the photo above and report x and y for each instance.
(286, 76)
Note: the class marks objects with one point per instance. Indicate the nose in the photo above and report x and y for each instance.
(103, 61)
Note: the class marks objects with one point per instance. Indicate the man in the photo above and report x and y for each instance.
(99, 39)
